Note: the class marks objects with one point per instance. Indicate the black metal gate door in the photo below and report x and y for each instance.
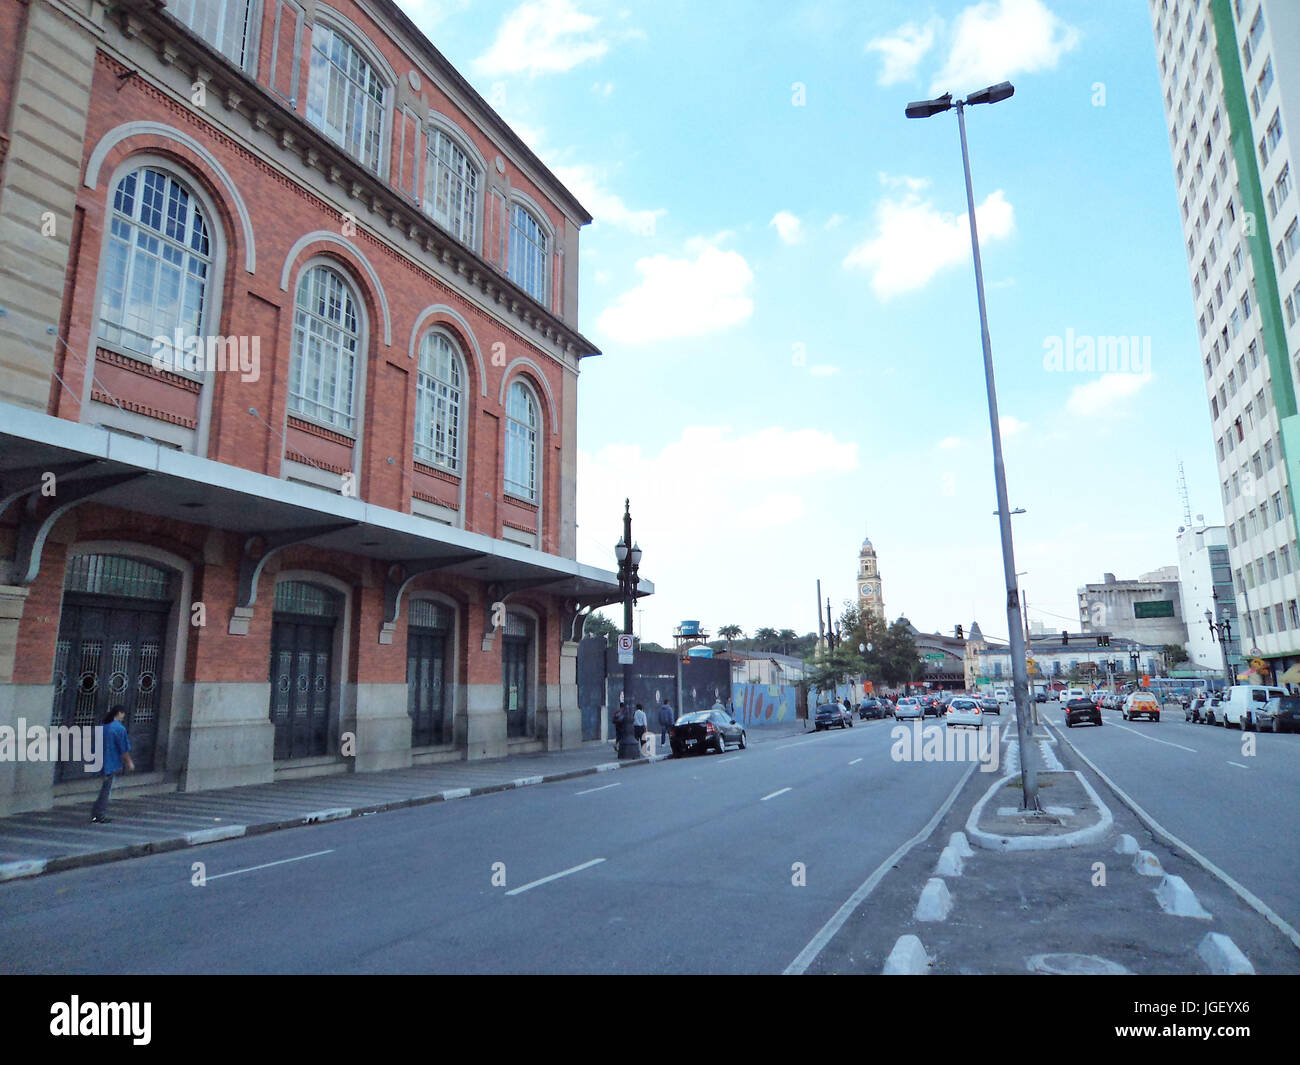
(108, 653)
(426, 651)
(514, 676)
(301, 660)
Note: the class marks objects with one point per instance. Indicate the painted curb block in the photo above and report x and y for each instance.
(1179, 900)
(959, 843)
(908, 958)
(1147, 864)
(213, 835)
(338, 813)
(1078, 838)
(1126, 845)
(935, 903)
(525, 782)
(949, 863)
(17, 870)
(455, 793)
(1223, 956)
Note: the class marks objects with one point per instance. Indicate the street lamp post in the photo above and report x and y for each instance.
(1019, 669)
(1134, 658)
(629, 562)
(1221, 631)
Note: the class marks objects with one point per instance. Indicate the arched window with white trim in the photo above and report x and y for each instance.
(528, 252)
(157, 263)
(521, 443)
(327, 330)
(345, 96)
(451, 183)
(438, 401)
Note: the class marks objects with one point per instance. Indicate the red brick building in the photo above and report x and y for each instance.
(288, 382)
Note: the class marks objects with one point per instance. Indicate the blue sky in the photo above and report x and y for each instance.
(779, 276)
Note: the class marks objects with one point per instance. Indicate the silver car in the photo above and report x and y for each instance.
(908, 708)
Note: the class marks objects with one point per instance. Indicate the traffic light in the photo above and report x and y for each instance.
(1103, 641)
(959, 635)
(1065, 636)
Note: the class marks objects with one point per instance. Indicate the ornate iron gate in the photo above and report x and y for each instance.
(302, 653)
(110, 651)
(428, 628)
(516, 649)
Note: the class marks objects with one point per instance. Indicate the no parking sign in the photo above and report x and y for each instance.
(624, 649)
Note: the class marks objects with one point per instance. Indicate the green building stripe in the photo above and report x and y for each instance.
(1261, 248)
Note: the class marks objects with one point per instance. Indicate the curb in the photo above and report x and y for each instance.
(31, 867)
(1223, 956)
(908, 958)
(1004, 844)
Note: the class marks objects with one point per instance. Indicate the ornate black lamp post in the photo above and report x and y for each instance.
(629, 561)
(1222, 631)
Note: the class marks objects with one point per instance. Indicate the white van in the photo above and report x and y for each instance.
(1244, 707)
(1002, 695)
(1072, 693)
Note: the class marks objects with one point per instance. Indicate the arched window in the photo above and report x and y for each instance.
(345, 96)
(451, 188)
(156, 271)
(326, 338)
(521, 443)
(437, 402)
(527, 252)
(227, 25)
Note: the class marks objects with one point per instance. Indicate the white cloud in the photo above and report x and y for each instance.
(835, 221)
(823, 370)
(996, 40)
(902, 181)
(788, 227)
(914, 241)
(949, 443)
(1011, 426)
(716, 501)
(606, 207)
(543, 37)
(428, 13)
(1103, 396)
(903, 50)
(602, 88)
(680, 297)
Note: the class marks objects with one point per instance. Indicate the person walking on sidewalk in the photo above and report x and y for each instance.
(639, 724)
(115, 746)
(666, 722)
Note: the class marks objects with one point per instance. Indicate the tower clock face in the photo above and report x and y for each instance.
(868, 592)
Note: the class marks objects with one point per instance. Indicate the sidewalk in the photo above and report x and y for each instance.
(48, 841)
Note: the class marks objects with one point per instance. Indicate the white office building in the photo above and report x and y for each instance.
(1205, 587)
(1230, 78)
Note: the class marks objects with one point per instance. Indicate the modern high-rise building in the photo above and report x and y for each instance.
(1230, 76)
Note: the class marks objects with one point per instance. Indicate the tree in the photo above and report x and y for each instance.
(788, 638)
(825, 669)
(730, 632)
(599, 625)
(1173, 654)
(765, 639)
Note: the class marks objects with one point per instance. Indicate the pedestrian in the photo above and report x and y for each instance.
(639, 723)
(115, 748)
(666, 722)
(847, 708)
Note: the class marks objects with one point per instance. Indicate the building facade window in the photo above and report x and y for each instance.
(437, 404)
(227, 25)
(528, 252)
(326, 340)
(521, 443)
(345, 96)
(451, 188)
(158, 260)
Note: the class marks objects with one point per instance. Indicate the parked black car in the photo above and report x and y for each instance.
(1040, 697)
(870, 708)
(831, 715)
(1286, 713)
(1080, 710)
(707, 730)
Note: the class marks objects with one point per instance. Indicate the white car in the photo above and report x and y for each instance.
(964, 712)
(908, 708)
(1002, 695)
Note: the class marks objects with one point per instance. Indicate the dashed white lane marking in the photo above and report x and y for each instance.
(855, 761)
(1153, 739)
(1239, 765)
(795, 744)
(605, 787)
(267, 865)
(774, 794)
(555, 876)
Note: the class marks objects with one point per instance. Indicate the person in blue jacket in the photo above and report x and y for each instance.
(116, 746)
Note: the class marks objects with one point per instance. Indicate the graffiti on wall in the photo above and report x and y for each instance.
(763, 704)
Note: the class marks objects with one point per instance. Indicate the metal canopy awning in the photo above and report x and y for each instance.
(92, 464)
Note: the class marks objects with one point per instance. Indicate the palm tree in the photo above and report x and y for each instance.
(731, 632)
(765, 638)
(787, 637)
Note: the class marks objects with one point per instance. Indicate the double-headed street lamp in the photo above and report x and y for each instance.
(1222, 632)
(629, 561)
(1019, 670)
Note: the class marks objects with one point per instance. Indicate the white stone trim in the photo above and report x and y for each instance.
(327, 237)
(418, 330)
(157, 129)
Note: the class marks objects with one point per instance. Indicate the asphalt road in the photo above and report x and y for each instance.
(686, 866)
(1238, 809)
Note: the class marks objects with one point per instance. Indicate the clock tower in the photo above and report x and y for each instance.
(870, 597)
